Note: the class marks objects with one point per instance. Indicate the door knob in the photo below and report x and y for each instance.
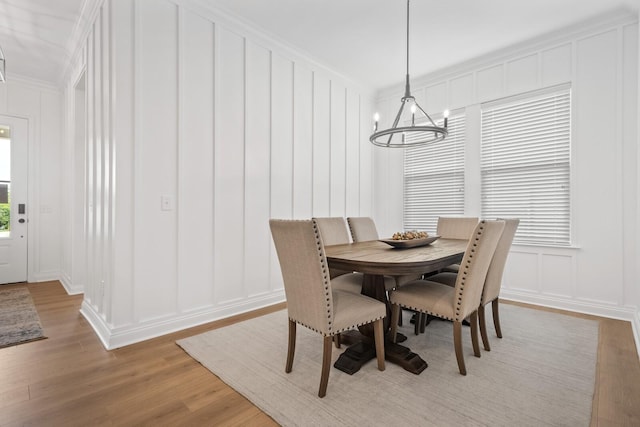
(21, 220)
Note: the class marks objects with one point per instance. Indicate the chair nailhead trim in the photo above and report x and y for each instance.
(467, 267)
(324, 267)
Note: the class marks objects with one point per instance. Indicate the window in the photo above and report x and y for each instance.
(434, 178)
(525, 165)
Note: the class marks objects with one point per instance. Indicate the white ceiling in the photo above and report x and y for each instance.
(35, 36)
(362, 39)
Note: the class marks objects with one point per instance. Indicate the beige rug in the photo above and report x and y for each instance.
(19, 321)
(541, 373)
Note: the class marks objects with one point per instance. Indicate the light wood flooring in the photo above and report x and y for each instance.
(69, 379)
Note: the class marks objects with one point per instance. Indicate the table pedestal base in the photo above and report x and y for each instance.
(352, 359)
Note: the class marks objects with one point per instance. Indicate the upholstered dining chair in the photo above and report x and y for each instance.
(333, 231)
(311, 300)
(455, 228)
(363, 229)
(458, 302)
(493, 281)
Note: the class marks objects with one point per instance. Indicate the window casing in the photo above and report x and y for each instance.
(525, 165)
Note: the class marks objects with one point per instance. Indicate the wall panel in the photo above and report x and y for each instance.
(156, 165)
(522, 274)
(257, 170)
(352, 161)
(436, 98)
(522, 74)
(557, 275)
(597, 63)
(321, 145)
(195, 162)
(366, 153)
(229, 167)
(302, 141)
(338, 149)
(629, 118)
(281, 137)
(556, 65)
(461, 91)
(490, 83)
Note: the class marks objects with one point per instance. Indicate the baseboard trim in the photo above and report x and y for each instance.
(68, 286)
(116, 337)
(585, 307)
(636, 330)
(97, 322)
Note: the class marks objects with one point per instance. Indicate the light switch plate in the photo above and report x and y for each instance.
(166, 202)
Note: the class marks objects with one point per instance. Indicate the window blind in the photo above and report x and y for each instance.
(434, 178)
(525, 166)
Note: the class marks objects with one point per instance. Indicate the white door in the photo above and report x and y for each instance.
(13, 199)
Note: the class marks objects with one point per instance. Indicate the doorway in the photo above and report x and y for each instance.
(13, 199)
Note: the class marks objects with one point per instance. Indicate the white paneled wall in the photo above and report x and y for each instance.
(41, 105)
(598, 275)
(199, 131)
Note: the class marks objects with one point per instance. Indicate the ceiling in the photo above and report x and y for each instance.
(362, 39)
(35, 36)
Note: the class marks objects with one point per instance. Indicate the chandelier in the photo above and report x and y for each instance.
(412, 125)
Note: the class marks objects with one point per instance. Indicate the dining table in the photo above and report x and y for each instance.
(376, 259)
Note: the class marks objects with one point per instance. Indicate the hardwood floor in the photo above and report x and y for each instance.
(69, 379)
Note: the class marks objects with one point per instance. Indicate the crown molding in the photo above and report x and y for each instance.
(75, 45)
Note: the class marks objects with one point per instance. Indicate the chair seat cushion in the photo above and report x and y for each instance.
(453, 268)
(352, 282)
(426, 296)
(351, 310)
(401, 280)
(445, 278)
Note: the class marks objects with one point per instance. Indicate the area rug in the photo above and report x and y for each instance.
(19, 321)
(541, 373)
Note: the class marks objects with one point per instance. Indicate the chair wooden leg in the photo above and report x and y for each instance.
(483, 328)
(423, 322)
(474, 333)
(326, 366)
(378, 335)
(418, 322)
(336, 340)
(292, 346)
(457, 343)
(496, 317)
(400, 319)
(395, 313)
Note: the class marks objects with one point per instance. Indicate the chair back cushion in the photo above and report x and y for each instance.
(305, 272)
(474, 267)
(496, 268)
(456, 227)
(362, 229)
(333, 230)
